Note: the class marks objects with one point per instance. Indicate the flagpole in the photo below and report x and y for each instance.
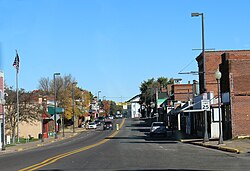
(17, 107)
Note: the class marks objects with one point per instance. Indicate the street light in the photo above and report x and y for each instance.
(41, 109)
(98, 95)
(73, 106)
(203, 47)
(196, 14)
(3, 101)
(54, 79)
(217, 75)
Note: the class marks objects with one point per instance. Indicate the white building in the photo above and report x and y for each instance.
(134, 107)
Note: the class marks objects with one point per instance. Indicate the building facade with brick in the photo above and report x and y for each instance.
(234, 66)
(235, 90)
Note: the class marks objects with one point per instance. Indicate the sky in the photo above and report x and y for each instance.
(112, 46)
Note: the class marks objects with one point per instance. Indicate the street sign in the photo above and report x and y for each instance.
(205, 105)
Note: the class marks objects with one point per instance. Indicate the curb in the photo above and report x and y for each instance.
(227, 149)
(41, 144)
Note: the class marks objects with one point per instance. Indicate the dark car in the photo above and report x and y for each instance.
(98, 122)
(158, 128)
(107, 125)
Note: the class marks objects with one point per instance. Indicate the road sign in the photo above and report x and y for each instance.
(205, 105)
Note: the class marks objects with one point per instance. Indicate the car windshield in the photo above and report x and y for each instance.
(158, 124)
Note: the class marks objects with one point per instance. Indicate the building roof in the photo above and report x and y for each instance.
(220, 52)
(134, 99)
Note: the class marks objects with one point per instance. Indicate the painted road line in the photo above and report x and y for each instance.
(60, 156)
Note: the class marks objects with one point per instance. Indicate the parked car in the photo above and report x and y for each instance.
(92, 125)
(158, 128)
(110, 117)
(107, 125)
(118, 116)
(98, 122)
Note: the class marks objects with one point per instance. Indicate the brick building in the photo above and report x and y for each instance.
(235, 81)
(182, 92)
(213, 59)
(235, 66)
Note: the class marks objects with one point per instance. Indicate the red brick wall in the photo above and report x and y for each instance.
(240, 116)
(240, 91)
(240, 71)
(181, 92)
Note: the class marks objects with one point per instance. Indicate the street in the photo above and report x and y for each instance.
(130, 149)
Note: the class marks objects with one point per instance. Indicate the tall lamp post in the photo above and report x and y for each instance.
(41, 109)
(98, 96)
(54, 79)
(196, 14)
(73, 106)
(3, 121)
(217, 75)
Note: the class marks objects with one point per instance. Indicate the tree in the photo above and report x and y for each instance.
(28, 109)
(64, 88)
(44, 84)
(149, 86)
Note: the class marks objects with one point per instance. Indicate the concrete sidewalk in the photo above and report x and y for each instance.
(233, 146)
(68, 133)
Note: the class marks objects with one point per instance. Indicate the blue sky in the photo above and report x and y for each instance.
(114, 45)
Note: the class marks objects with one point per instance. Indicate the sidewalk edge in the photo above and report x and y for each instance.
(222, 148)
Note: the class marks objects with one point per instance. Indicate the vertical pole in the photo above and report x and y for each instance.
(55, 105)
(3, 124)
(73, 111)
(17, 99)
(220, 127)
(206, 139)
(156, 105)
(203, 53)
(63, 121)
(42, 140)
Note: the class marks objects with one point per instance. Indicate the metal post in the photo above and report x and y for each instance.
(203, 53)
(156, 98)
(42, 139)
(73, 106)
(3, 124)
(206, 139)
(220, 127)
(63, 122)
(73, 111)
(17, 99)
(55, 103)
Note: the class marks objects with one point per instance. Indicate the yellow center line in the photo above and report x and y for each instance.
(60, 156)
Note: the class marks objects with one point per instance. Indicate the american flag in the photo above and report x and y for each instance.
(16, 62)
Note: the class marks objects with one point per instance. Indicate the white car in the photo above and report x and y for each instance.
(158, 128)
(92, 125)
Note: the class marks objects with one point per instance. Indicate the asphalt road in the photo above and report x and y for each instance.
(128, 149)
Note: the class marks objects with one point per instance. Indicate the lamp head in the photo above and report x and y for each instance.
(57, 73)
(217, 74)
(196, 14)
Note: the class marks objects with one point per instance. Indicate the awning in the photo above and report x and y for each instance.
(184, 109)
(160, 101)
